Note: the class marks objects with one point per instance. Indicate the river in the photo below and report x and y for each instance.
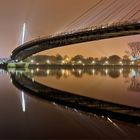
(24, 115)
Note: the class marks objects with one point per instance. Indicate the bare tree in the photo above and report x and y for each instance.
(135, 49)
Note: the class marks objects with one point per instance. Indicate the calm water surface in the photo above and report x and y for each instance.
(117, 85)
(25, 116)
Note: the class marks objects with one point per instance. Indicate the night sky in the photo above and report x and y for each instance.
(44, 17)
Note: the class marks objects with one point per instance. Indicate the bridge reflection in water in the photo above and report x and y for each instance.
(34, 82)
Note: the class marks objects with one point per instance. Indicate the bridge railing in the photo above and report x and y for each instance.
(91, 28)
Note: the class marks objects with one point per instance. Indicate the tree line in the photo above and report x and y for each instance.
(81, 60)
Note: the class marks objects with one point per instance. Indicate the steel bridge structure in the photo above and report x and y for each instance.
(74, 37)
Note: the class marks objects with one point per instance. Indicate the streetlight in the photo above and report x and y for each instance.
(93, 62)
(106, 62)
(32, 61)
(67, 59)
(16, 60)
(48, 61)
(121, 63)
(62, 62)
(79, 62)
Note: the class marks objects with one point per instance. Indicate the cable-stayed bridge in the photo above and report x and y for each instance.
(64, 39)
(104, 19)
(106, 12)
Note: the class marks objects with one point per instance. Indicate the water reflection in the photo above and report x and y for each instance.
(59, 73)
(93, 98)
(135, 81)
(23, 102)
(43, 119)
(131, 75)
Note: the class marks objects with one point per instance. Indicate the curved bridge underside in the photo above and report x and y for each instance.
(42, 44)
(116, 111)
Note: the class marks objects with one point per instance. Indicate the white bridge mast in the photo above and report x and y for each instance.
(23, 34)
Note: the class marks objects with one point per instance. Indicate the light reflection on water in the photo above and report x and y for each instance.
(118, 85)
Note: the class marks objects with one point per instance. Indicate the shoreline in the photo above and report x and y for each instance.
(67, 66)
(80, 66)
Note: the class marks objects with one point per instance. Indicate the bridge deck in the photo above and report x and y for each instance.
(42, 44)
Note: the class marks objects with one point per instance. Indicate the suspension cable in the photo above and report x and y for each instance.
(130, 12)
(114, 11)
(88, 10)
(112, 3)
(134, 14)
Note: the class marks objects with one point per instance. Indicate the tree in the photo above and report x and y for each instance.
(114, 73)
(96, 60)
(59, 59)
(135, 49)
(39, 58)
(103, 60)
(114, 59)
(89, 60)
(126, 60)
(78, 58)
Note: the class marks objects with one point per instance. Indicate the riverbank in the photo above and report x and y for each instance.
(54, 66)
(42, 66)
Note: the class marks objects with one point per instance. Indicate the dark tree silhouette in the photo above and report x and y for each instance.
(114, 59)
(77, 58)
(103, 60)
(126, 60)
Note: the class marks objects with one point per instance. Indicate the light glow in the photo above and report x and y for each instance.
(32, 61)
(48, 61)
(23, 102)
